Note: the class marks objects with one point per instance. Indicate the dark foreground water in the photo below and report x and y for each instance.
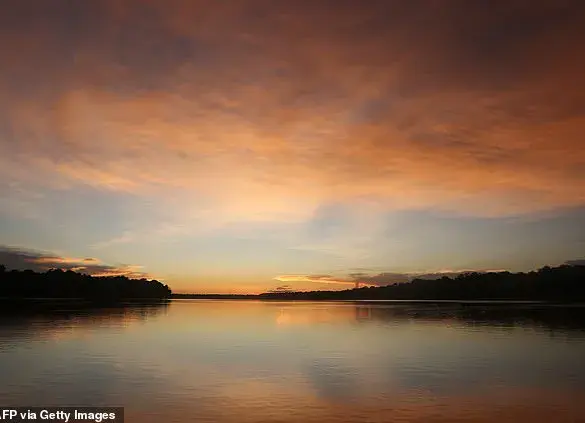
(240, 361)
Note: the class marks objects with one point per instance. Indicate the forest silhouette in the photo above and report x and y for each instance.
(563, 283)
(59, 284)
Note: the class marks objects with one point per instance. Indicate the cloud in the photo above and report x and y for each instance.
(381, 279)
(22, 259)
(283, 288)
(579, 262)
(457, 106)
(126, 237)
(322, 279)
(325, 279)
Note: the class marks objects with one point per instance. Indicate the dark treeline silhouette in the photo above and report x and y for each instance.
(563, 283)
(58, 284)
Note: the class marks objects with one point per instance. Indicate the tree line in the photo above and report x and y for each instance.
(563, 283)
(59, 284)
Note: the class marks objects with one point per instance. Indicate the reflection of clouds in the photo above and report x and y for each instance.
(437, 349)
(69, 357)
(334, 381)
(228, 362)
(508, 406)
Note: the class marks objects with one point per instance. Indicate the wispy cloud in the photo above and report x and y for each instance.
(126, 237)
(578, 262)
(22, 259)
(322, 279)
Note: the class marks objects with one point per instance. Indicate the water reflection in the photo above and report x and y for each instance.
(230, 361)
(565, 319)
(537, 316)
(60, 321)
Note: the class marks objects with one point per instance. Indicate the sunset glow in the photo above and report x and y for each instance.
(239, 146)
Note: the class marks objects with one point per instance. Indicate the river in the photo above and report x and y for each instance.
(252, 361)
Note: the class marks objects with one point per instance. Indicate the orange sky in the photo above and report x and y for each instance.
(220, 145)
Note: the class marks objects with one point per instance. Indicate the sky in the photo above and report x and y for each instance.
(239, 146)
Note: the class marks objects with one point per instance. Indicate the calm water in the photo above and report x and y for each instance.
(240, 361)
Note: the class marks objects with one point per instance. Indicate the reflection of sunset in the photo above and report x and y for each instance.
(262, 401)
(250, 361)
(310, 316)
